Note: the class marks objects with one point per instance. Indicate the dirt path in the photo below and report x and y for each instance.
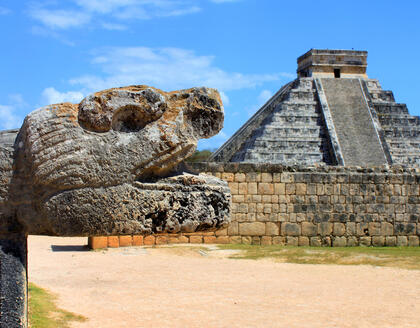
(137, 287)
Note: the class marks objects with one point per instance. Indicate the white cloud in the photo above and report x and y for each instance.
(165, 68)
(181, 12)
(8, 118)
(10, 114)
(4, 11)
(60, 19)
(225, 98)
(264, 96)
(114, 27)
(53, 96)
(93, 12)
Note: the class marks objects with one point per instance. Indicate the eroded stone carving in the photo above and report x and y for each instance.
(108, 166)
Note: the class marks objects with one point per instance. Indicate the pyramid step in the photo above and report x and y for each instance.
(283, 157)
(382, 96)
(399, 119)
(305, 84)
(292, 131)
(284, 145)
(300, 95)
(391, 108)
(402, 132)
(302, 119)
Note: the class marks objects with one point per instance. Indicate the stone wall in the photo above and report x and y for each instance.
(316, 206)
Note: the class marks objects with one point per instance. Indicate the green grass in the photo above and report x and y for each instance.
(44, 313)
(401, 257)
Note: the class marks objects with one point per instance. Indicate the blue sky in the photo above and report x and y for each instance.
(54, 51)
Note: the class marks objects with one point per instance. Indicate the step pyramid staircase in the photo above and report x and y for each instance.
(293, 133)
(401, 130)
(332, 114)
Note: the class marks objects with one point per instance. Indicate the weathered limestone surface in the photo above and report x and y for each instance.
(319, 206)
(96, 168)
(108, 165)
(356, 132)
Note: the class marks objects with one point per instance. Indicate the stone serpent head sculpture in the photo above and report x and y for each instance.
(109, 166)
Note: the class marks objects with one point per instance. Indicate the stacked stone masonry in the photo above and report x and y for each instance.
(316, 206)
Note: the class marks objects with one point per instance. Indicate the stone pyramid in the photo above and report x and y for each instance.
(332, 114)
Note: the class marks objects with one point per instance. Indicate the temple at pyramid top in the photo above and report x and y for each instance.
(332, 114)
(332, 63)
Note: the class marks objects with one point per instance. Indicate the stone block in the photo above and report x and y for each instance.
(325, 228)
(300, 188)
(378, 241)
(387, 229)
(290, 189)
(390, 241)
(351, 229)
(235, 240)
(238, 198)
(252, 229)
(374, 228)
(265, 188)
(365, 241)
(209, 239)
(413, 241)
(161, 240)
(125, 241)
(309, 229)
(243, 188)
(405, 228)
(256, 240)
(113, 241)
(266, 177)
(266, 241)
(292, 241)
(272, 229)
(253, 177)
(352, 241)
(98, 242)
(174, 240)
(252, 188)
(228, 177)
(138, 240)
(279, 188)
(240, 177)
(326, 241)
(196, 239)
(222, 240)
(303, 241)
(290, 229)
(247, 240)
(339, 241)
(222, 232)
(402, 241)
(233, 229)
(287, 177)
(233, 186)
(362, 229)
(315, 241)
(339, 229)
(278, 240)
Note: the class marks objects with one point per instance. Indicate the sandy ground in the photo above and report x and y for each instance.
(154, 287)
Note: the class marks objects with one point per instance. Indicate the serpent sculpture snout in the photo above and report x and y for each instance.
(108, 165)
